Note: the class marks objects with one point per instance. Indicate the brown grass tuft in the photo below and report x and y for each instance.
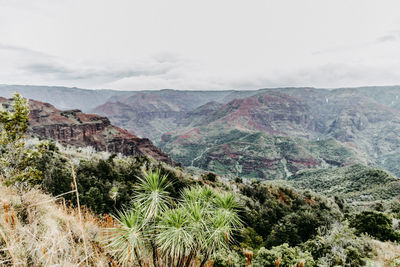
(47, 234)
(388, 254)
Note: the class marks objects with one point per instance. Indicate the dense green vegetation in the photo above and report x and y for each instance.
(355, 183)
(281, 215)
(104, 184)
(253, 154)
(376, 224)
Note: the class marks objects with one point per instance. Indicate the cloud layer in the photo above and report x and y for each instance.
(212, 45)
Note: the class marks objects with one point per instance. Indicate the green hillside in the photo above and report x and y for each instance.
(255, 154)
(355, 183)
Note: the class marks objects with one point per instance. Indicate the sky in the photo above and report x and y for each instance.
(200, 45)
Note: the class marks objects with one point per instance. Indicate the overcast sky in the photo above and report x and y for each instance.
(202, 44)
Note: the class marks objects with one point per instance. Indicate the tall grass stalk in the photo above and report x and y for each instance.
(79, 211)
(8, 247)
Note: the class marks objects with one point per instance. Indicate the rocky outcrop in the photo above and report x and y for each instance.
(79, 129)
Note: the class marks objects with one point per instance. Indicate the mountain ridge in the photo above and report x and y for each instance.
(362, 120)
(76, 128)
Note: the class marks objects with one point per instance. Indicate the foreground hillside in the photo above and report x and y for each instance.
(36, 230)
(279, 222)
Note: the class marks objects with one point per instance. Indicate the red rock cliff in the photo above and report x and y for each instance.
(79, 129)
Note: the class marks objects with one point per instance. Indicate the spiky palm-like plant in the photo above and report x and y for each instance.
(213, 219)
(228, 205)
(127, 240)
(175, 238)
(180, 235)
(152, 197)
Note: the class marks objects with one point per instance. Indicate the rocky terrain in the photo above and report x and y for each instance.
(269, 136)
(79, 129)
(150, 114)
(357, 122)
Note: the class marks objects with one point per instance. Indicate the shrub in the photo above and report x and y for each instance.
(285, 255)
(229, 258)
(281, 215)
(212, 177)
(339, 246)
(376, 224)
(251, 239)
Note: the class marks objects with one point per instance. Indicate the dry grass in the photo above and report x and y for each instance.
(35, 231)
(388, 254)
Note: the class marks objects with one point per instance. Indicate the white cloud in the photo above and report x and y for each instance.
(187, 44)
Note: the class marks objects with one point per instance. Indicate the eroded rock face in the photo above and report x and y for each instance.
(79, 129)
(150, 114)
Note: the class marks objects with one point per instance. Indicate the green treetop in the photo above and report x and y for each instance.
(15, 158)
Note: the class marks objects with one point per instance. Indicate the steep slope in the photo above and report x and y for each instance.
(200, 114)
(79, 129)
(273, 113)
(361, 125)
(269, 136)
(152, 113)
(363, 118)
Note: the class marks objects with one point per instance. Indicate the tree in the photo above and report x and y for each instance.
(162, 231)
(15, 159)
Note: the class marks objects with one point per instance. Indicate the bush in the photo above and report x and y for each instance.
(229, 258)
(212, 177)
(287, 256)
(339, 246)
(251, 239)
(281, 215)
(162, 229)
(376, 224)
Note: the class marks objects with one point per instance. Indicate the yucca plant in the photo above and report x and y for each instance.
(175, 238)
(159, 231)
(152, 197)
(228, 205)
(126, 241)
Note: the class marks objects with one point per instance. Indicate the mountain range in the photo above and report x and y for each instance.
(266, 133)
